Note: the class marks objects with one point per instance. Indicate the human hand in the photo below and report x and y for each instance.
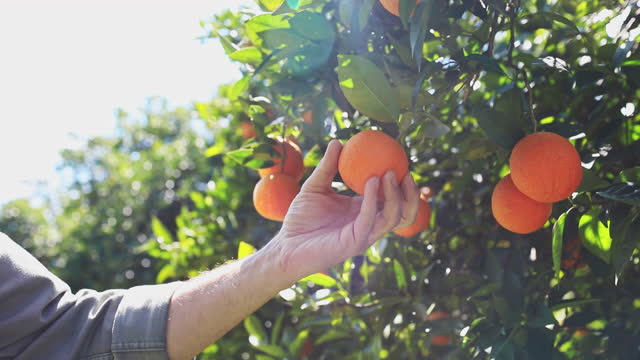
(322, 228)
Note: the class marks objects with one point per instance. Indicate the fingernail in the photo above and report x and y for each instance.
(394, 179)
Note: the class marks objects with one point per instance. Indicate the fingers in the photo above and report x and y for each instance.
(392, 210)
(326, 170)
(411, 201)
(366, 219)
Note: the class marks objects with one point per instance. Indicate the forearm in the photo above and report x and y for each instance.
(208, 306)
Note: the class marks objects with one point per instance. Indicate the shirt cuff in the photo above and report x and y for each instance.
(140, 325)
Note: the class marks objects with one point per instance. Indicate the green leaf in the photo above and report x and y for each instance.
(595, 236)
(435, 128)
(552, 62)
(319, 279)
(277, 328)
(297, 343)
(500, 128)
(168, 271)
(239, 88)
(273, 350)
(628, 193)
(306, 45)
(271, 5)
(293, 3)
(573, 303)
(511, 103)
(418, 26)
(248, 55)
(367, 89)
(591, 181)
(401, 278)
(624, 232)
(561, 19)
(331, 335)
(487, 63)
(254, 327)
(216, 149)
(365, 13)
(556, 244)
(245, 249)
(629, 175)
(164, 236)
(543, 317)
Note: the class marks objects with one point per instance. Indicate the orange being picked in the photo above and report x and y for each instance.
(248, 131)
(273, 195)
(545, 167)
(371, 153)
(515, 211)
(422, 220)
(392, 6)
(292, 159)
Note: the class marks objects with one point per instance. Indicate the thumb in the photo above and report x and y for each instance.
(326, 170)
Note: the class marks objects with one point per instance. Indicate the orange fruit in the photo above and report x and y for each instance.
(307, 347)
(307, 116)
(273, 195)
(293, 164)
(572, 252)
(515, 211)
(441, 340)
(371, 153)
(422, 221)
(248, 131)
(545, 167)
(438, 315)
(392, 6)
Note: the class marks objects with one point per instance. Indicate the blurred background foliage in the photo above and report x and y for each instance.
(458, 82)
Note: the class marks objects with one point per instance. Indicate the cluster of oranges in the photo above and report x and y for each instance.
(279, 184)
(367, 154)
(373, 153)
(545, 168)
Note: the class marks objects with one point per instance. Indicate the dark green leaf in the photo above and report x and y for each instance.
(561, 19)
(418, 26)
(624, 238)
(487, 63)
(591, 181)
(500, 128)
(565, 304)
(542, 317)
(628, 193)
(365, 13)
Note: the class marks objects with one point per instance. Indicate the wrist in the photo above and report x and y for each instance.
(272, 261)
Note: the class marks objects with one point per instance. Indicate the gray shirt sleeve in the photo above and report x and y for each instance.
(41, 319)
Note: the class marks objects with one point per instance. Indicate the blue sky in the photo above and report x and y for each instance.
(66, 65)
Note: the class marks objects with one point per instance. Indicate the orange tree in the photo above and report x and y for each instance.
(458, 83)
